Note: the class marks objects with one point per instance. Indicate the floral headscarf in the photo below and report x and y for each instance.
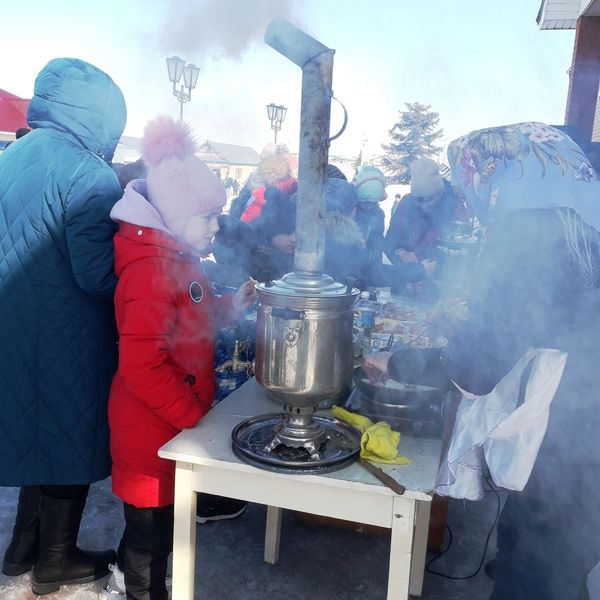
(524, 166)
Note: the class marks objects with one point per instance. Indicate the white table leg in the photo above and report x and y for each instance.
(403, 520)
(419, 553)
(272, 534)
(184, 533)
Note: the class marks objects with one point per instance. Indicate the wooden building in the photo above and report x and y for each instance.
(229, 160)
(225, 160)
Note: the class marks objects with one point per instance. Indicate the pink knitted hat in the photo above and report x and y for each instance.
(180, 185)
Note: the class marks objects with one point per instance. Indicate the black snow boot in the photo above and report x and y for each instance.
(60, 561)
(22, 551)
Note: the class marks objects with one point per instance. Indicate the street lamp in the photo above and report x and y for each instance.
(176, 67)
(276, 115)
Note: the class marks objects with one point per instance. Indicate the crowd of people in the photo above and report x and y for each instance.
(108, 319)
(257, 237)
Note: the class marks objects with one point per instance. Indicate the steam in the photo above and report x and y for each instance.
(219, 28)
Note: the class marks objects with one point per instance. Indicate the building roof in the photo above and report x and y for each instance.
(563, 14)
(230, 153)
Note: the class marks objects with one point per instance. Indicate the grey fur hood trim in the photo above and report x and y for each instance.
(342, 229)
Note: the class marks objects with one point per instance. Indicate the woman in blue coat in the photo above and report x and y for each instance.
(58, 351)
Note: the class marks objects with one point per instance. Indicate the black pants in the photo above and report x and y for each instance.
(144, 551)
(65, 492)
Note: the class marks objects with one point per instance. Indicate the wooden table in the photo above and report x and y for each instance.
(205, 462)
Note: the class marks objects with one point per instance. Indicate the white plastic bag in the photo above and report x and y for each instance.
(493, 430)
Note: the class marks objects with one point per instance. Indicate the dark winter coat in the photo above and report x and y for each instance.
(371, 222)
(527, 294)
(234, 250)
(347, 259)
(270, 263)
(548, 534)
(278, 216)
(414, 230)
(238, 205)
(58, 350)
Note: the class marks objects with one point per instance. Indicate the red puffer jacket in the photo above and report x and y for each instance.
(166, 316)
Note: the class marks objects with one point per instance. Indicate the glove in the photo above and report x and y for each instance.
(423, 366)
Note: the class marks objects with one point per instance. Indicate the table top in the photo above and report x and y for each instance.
(209, 444)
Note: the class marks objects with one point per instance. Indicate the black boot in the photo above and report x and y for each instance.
(60, 562)
(22, 551)
(144, 551)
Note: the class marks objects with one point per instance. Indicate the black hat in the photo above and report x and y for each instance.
(278, 216)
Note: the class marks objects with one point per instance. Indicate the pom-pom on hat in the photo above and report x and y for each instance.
(180, 185)
(425, 178)
(370, 184)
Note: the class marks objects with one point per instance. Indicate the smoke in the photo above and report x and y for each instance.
(582, 244)
(219, 28)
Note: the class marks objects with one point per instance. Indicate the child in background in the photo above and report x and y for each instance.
(166, 316)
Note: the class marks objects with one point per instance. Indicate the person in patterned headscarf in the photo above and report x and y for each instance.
(537, 285)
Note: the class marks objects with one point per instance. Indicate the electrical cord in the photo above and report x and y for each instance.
(487, 540)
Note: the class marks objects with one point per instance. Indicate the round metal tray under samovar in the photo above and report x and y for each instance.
(253, 442)
(304, 356)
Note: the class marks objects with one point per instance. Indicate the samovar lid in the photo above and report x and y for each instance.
(307, 285)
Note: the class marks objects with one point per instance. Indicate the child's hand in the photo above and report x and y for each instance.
(245, 295)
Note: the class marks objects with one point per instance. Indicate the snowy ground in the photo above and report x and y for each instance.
(316, 562)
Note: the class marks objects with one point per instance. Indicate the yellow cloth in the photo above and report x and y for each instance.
(379, 443)
(355, 420)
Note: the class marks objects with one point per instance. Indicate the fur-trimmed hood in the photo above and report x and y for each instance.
(341, 229)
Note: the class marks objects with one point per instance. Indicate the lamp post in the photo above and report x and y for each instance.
(276, 115)
(176, 68)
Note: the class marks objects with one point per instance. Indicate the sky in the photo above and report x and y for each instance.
(477, 63)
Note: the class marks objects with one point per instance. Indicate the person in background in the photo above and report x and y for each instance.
(231, 185)
(235, 250)
(418, 221)
(538, 285)
(370, 185)
(276, 170)
(59, 343)
(166, 315)
(131, 171)
(276, 229)
(21, 132)
(346, 257)
(397, 199)
(334, 173)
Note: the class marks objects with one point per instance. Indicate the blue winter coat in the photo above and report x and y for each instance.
(57, 334)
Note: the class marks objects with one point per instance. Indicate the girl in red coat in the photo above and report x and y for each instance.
(166, 316)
